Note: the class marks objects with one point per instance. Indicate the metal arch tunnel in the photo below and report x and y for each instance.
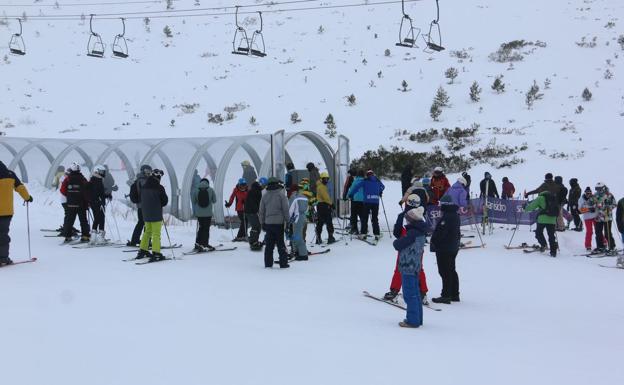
(272, 163)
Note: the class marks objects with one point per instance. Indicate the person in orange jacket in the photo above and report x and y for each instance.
(439, 185)
(9, 182)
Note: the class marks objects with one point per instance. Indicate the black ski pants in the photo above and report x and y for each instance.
(138, 228)
(70, 218)
(203, 231)
(446, 269)
(98, 218)
(576, 217)
(357, 212)
(242, 230)
(274, 236)
(552, 240)
(603, 231)
(372, 211)
(5, 240)
(324, 218)
(253, 221)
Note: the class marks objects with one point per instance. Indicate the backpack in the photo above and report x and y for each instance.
(203, 198)
(552, 206)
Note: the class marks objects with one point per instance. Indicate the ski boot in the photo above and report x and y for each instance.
(542, 249)
(331, 240)
(132, 244)
(444, 300)
(391, 295)
(209, 248)
(155, 257)
(85, 239)
(142, 254)
(598, 250)
(301, 258)
(455, 298)
(5, 261)
(404, 324)
(94, 238)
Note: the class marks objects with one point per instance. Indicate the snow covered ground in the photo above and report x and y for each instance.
(83, 316)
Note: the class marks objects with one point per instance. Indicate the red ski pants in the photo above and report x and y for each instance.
(396, 278)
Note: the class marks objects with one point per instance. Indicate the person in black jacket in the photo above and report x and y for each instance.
(252, 206)
(573, 204)
(74, 188)
(445, 244)
(562, 199)
(153, 199)
(406, 179)
(97, 202)
(468, 179)
(488, 187)
(135, 197)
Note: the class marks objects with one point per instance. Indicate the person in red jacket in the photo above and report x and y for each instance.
(240, 193)
(439, 185)
(74, 188)
(508, 189)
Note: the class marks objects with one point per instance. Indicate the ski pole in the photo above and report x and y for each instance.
(28, 229)
(474, 221)
(515, 229)
(112, 209)
(386, 216)
(169, 239)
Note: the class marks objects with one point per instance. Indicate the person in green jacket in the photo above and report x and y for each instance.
(203, 198)
(546, 203)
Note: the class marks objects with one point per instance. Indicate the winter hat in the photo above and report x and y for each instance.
(446, 200)
(273, 180)
(369, 173)
(417, 184)
(413, 200)
(204, 180)
(588, 190)
(462, 180)
(487, 175)
(548, 176)
(245, 163)
(505, 179)
(558, 179)
(74, 167)
(146, 169)
(437, 169)
(324, 175)
(290, 166)
(573, 182)
(415, 215)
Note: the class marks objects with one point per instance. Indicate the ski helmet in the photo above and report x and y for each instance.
(99, 170)
(74, 167)
(263, 181)
(426, 181)
(599, 186)
(413, 200)
(242, 181)
(324, 175)
(146, 169)
(157, 173)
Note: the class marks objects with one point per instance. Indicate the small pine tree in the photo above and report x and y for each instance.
(579, 109)
(475, 92)
(547, 84)
(167, 31)
(146, 21)
(532, 95)
(172, 123)
(608, 74)
(441, 98)
(387, 52)
(294, 118)
(331, 130)
(435, 111)
(586, 95)
(404, 86)
(169, 4)
(379, 75)
(252, 120)
(498, 84)
(451, 74)
(320, 30)
(351, 99)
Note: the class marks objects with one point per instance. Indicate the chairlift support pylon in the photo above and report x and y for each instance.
(407, 37)
(16, 44)
(243, 46)
(254, 39)
(120, 46)
(435, 45)
(95, 49)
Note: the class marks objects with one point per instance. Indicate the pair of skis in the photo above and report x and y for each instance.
(136, 248)
(394, 303)
(293, 258)
(218, 247)
(33, 259)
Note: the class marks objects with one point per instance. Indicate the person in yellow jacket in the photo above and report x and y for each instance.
(8, 183)
(324, 210)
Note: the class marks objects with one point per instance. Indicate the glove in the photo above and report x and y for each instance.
(30, 199)
(227, 204)
(115, 188)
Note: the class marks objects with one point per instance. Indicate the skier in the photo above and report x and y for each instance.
(372, 189)
(488, 187)
(153, 199)
(587, 208)
(135, 197)
(273, 215)
(249, 173)
(194, 183)
(547, 204)
(297, 210)
(562, 199)
(439, 185)
(314, 176)
(74, 188)
(406, 178)
(573, 203)
(468, 179)
(240, 193)
(252, 206)
(289, 181)
(445, 244)
(58, 177)
(353, 226)
(357, 204)
(605, 204)
(324, 209)
(97, 202)
(203, 198)
(9, 182)
(399, 231)
(109, 183)
(548, 185)
(411, 249)
(457, 193)
(509, 190)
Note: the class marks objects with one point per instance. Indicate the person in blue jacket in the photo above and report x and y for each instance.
(357, 202)
(372, 189)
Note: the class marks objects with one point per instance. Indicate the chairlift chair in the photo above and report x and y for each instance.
(16, 44)
(437, 44)
(120, 46)
(407, 38)
(95, 46)
(254, 39)
(243, 47)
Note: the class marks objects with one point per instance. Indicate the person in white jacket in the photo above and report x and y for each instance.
(587, 208)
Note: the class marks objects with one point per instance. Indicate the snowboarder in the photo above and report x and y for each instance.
(508, 189)
(203, 198)
(605, 204)
(445, 244)
(252, 206)
(297, 210)
(562, 199)
(488, 187)
(9, 182)
(411, 248)
(357, 204)
(314, 176)
(135, 197)
(153, 199)
(573, 204)
(240, 193)
(324, 209)
(97, 202)
(249, 173)
(439, 185)
(372, 189)
(457, 192)
(273, 215)
(548, 206)
(587, 208)
(74, 188)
